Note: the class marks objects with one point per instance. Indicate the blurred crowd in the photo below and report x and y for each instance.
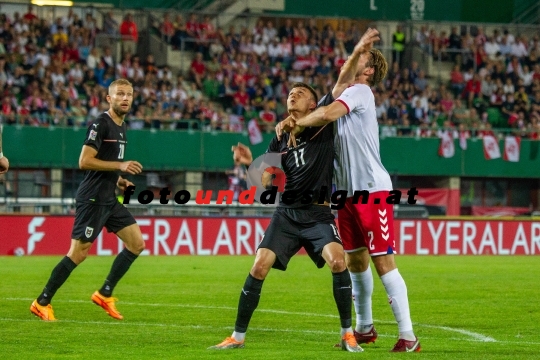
(495, 81)
(53, 74)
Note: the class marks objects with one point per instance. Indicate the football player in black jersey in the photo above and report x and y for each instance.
(300, 220)
(102, 157)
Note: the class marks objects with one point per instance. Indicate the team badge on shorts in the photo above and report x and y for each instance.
(89, 231)
(92, 135)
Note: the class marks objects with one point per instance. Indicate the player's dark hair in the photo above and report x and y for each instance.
(306, 86)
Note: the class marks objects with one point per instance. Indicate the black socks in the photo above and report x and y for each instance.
(58, 277)
(343, 297)
(249, 300)
(119, 268)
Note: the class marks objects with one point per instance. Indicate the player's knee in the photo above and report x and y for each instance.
(138, 247)
(357, 262)
(259, 271)
(337, 265)
(355, 266)
(78, 256)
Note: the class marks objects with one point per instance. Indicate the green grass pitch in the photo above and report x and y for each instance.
(175, 307)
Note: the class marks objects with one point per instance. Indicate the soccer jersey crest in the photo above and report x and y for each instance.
(92, 135)
(89, 231)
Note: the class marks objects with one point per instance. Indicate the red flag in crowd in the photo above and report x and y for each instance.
(512, 146)
(446, 147)
(255, 135)
(491, 147)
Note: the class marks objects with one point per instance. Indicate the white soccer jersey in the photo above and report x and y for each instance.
(357, 164)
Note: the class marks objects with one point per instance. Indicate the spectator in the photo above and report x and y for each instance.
(454, 44)
(130, 34)
(491, 48)
(268, 116)
(110, 25)
(287, 30)
(421, 82)
(473, 89)
(180, 33)
(30, 16)
(198, 69)
(192, 29)
(107, 58)
(269, 32)
(207, 27)
(167, 28)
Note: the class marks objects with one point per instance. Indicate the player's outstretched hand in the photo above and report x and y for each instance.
(4, 165)
(284, 126)
(367, 40)
(292, 136)
(292, 140)
(242, 154)
(123, 184)
(131, 167)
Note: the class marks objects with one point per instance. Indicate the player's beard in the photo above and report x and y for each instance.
(119, 111)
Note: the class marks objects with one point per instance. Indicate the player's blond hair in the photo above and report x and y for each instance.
(379, 65)
(117, 82)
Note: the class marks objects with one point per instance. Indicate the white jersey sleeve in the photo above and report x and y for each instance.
(356, 98)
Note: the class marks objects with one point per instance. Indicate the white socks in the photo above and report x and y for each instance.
(238, 336)
(397, 297)
(362, 290)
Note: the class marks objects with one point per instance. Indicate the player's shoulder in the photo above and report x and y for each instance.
(278, 145)
(327, 99)
(360, 88)
(101, 121)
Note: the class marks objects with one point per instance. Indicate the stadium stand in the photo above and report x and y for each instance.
(55, 74)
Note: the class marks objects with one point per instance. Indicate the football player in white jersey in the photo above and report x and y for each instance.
(366, 226)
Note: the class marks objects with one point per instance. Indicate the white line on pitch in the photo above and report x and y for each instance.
(478, 337)
(229, 328)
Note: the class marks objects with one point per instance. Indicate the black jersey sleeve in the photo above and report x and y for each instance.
(96, 133)
(274, 145)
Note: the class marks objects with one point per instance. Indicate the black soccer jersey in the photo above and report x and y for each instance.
(110, 141)
(308, 167)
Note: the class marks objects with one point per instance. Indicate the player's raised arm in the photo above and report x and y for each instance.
(322, 116)
(349, 69)
(88, 161)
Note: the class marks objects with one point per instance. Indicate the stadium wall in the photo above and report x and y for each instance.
(48, 235)
(432, 10)
(198, 151)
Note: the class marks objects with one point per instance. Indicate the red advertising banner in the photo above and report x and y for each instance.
(49, 235)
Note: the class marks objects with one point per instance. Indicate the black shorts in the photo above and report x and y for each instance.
(292, 229)
(90, 220)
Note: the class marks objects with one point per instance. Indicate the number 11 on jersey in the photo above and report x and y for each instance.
(121, 153)
(301, 158)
